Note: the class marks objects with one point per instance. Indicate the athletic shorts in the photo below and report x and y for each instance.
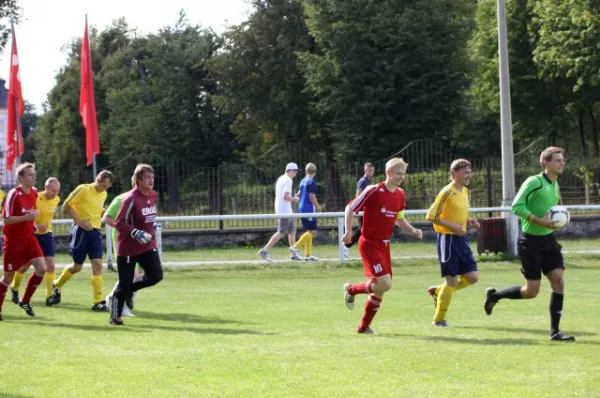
(18, 252)
(286, 225)
(455, 255)
(539, 254)
(84, 243)
(310, 224)
(46, 242)
(376, 257)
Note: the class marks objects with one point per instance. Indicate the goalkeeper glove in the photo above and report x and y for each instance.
(141, 236)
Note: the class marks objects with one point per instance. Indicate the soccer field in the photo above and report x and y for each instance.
(282, 330)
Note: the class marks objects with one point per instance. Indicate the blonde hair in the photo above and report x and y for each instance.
(548, 153)
(21, 169)
(310, 168)
(140, 169)
(457, 165)
(395, 162)
(51, 180)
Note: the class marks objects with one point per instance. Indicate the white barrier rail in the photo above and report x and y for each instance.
(338, 215)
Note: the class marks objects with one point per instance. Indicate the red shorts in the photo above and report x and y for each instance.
(18, 252)
(376, 257)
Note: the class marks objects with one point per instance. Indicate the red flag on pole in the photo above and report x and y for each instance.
(87, 103)
(14, 134)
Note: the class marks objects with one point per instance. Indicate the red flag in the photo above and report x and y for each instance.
(15, 109)
(87, 103)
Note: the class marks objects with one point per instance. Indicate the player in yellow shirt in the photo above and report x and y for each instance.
(450, 217)
(47, 203)
(85, 205)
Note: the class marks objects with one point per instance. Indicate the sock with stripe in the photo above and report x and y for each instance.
(32, 284)
(360, 288)
(371, 307)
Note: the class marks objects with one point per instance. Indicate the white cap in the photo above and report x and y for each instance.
(291, 166)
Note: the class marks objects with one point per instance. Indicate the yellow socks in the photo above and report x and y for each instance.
(306, 241)
(98, 285)
(17, 281)
(49, 277)
(462, 283)
(64, 278)
(443, 302)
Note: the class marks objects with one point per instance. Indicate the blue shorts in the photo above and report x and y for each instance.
(46, 242)
(309, 224)
(82, 243)
(455, 255)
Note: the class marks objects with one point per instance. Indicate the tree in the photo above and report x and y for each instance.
(388, 72)
(8, 9)
(29, 121)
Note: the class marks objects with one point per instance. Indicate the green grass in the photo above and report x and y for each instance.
(282, 330)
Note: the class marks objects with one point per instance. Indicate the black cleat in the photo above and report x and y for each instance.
(441, 324)
(27, 307)
(366, 330)
(431, 291)
(14, 296)
(55, 294)
(100, 307)
(560, 336)
(50, 301)
(489, 303)
(116, 322)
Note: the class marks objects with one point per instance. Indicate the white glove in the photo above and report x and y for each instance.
(141, 236)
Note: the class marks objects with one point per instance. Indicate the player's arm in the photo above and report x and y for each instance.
(109, 215)
(312, 195)
(287, 193)
(9, 218)
(126, 211)
(436, 210)
(348, 220)
(519, 204)
(404, 225)
(71, 201)
(108, 220)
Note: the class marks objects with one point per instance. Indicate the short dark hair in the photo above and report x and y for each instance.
(106, 175)
(368, 164)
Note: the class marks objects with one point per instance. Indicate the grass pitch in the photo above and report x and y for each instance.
(282, 330)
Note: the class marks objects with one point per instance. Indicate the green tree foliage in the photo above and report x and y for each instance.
(8, 9)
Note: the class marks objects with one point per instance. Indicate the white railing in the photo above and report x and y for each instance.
(338, 215)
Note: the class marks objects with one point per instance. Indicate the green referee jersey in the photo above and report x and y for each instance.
(113, 208)
(536, 196)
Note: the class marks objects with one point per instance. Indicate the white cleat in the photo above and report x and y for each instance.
(311, 258)
(348, 298)
(127, 312)
(265, 255)
(295, 254)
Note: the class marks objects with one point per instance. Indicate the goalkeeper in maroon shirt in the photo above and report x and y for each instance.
(135, 241)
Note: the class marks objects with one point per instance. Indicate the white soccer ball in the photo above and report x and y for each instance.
(560, 215)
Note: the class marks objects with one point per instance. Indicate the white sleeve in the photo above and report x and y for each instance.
(288, 187)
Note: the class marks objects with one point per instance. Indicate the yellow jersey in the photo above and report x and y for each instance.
(47, 208)
(2, 196)
(88, 203)
(450, 205)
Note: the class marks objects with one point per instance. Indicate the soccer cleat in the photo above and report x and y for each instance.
(100, 307)
(489, 304)
(345, 252)
(50, 301)
(311, 258)
(441, 324)
(55, 293)
(348, 298)
(366, 330)
(265, 255)
(433, 295)
(27, 307)
(295, 254)
(127, 312)
(116, 322)
(560, 336)
(14, 296)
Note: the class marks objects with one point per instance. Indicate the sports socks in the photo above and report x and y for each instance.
(3, 289)
(360, 288)
(462, 283)
(64, 278)
(32, 284)
(556, 306)
(97, 285)
(49, 278)
(16, 283)
(443, 302)
(513, 293)
(306, 241)
(372, 305)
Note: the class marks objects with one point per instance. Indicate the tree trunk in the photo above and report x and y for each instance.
(582, 133)
(594, 130)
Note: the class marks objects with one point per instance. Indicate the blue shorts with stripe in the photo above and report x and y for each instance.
(84, 243)
(46, 242)
(455, 255)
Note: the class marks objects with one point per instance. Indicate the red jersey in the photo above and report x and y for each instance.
(137, 211)
(19, 203)
(381, 208)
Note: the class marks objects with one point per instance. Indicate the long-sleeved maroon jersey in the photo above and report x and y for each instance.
(137, 211)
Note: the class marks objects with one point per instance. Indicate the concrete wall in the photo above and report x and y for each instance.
(580, 227)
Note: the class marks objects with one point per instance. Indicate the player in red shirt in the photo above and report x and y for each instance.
(383, 206)
(20, 244)
(135, 241)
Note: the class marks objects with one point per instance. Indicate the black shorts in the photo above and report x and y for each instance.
(539, 254)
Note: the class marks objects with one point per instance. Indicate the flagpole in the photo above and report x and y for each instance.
(94, 167)
(18, 119)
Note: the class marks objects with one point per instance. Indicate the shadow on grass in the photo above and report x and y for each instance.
(543, 332)
(13, 395)
(489, 341)
(199, 330)
(61, 325)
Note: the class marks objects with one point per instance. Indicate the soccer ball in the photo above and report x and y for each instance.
(560, 215)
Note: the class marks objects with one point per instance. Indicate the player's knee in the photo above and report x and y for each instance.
(473, 279)
(530, 292)
(76, 268)
(382, 286)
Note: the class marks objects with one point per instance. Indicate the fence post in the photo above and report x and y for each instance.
(158, 237)
(488, 169)
(340, 234)
(219, 196)
(109, 248)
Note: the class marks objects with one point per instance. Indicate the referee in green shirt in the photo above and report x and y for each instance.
(538, 249)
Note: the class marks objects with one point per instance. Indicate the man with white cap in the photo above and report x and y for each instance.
(283, 206)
